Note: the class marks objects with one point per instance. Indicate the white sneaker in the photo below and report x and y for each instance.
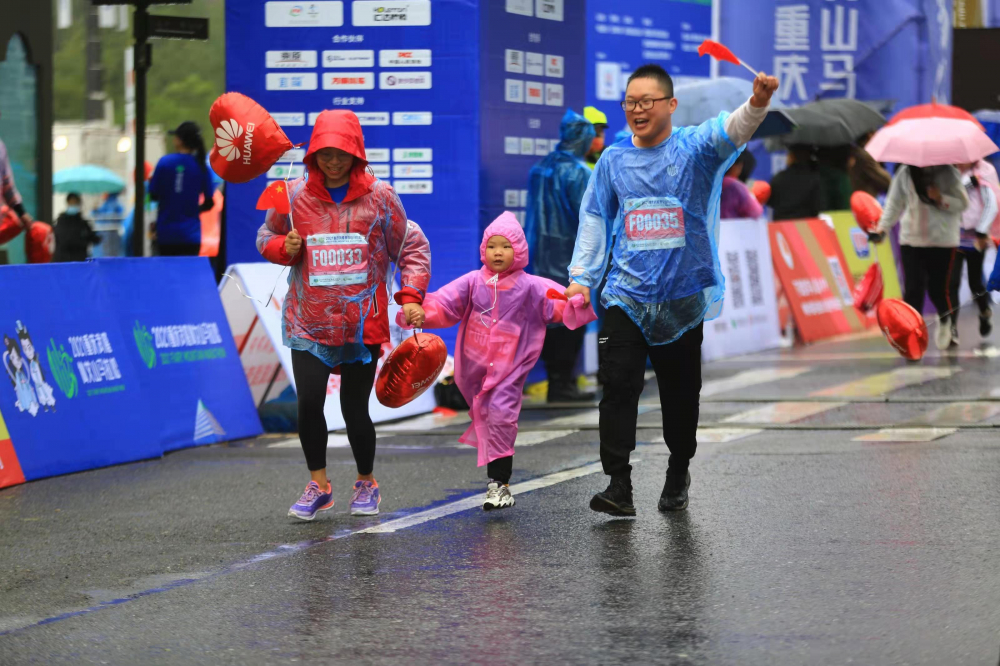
(943, 336)
(497, 497)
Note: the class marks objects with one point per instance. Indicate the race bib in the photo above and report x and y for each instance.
(337, 259)
(655, 223)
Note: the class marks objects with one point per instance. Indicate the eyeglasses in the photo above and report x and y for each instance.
(644, 104)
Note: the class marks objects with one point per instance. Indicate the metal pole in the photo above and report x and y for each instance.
(141, 60)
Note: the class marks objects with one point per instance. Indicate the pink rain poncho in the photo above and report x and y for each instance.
(502, 320)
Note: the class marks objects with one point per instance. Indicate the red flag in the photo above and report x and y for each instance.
(275, 196)
(717, 51)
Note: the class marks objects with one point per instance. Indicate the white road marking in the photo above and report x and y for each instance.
(906, 435)
(476, 502)
(718, 435)
(783, 412)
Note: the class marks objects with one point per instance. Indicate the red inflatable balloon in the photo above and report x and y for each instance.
(248, 141)
(410, 369)
(39, 243)
(868, 293)
(10, 224)
(867, 210)
(761, 191)
(904, 328)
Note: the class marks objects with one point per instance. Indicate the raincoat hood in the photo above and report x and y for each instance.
(576, 134)
(342, 130)
(507, 226)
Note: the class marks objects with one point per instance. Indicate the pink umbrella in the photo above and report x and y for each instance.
(931, 141)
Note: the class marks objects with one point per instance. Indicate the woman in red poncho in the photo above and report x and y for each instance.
(344, 229)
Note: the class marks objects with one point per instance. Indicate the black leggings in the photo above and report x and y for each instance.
(975, 258)
(931, 271)
(500, 470)
(356, 380)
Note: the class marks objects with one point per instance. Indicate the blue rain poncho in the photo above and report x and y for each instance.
(662, 206)
(555, 191)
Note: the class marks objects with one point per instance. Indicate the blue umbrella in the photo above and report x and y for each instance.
(87, 179)
(701, 100)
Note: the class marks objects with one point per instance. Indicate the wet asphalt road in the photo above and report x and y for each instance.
(801, 545)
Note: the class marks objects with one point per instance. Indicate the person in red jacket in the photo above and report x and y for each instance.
(344, 228)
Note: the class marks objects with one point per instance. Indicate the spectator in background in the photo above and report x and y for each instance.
(980, 181)
(797, 192)
(555, 191)
(179, 182)
(866, 174)
(74, 235)
(8, 189)
(600, 123)
(833, 166)
(737, 200)
(929, 202)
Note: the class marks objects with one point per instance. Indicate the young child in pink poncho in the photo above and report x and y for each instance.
(502, 312)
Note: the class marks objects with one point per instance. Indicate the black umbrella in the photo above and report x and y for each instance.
(829, 122)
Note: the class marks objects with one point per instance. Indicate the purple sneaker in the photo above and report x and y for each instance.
(366, 498)
(312, 501)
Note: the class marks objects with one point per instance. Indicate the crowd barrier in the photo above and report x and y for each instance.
(254, 315)
(112, 361)
(749, 319)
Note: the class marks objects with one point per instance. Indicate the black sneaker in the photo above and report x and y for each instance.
(616, 500)
(986, 323)
(675, 493)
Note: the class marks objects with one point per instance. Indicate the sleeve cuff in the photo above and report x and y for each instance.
(408, 295)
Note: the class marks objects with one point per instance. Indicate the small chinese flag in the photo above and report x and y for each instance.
(275, 196)
(718, 51)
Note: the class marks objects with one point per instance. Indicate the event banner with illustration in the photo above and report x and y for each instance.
(112, 361)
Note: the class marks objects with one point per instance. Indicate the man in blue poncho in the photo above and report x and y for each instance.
(658, 194)
(555, 190)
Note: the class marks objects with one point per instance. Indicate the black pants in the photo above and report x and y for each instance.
(931, 271)
(560, 351)
(622, 351)
(179, 249)
(499, 470)
(975, 260)
(356, 380)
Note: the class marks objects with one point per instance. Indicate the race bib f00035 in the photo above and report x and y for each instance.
(654, 223)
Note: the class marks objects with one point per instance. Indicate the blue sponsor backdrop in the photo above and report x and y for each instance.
(867, 49)
(533, 66)
(417, 99)
(189, 367)
(88, 385)
(621, 36)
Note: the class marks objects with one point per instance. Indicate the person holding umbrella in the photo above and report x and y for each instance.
(928, 197)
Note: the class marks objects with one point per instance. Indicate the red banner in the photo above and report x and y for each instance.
(10, 468)
(814, 275)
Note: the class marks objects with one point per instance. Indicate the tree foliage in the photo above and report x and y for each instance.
(184, 80)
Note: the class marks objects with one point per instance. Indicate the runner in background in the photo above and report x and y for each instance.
(555, 190)
(600, 123)
(179, 182)
(345, 227)
(659, 195)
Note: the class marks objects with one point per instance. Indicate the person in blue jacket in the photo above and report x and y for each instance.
(555, 190)
(179, 182)
(658, 195)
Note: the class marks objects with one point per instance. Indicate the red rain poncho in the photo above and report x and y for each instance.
(336, 303)
(500, 337)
